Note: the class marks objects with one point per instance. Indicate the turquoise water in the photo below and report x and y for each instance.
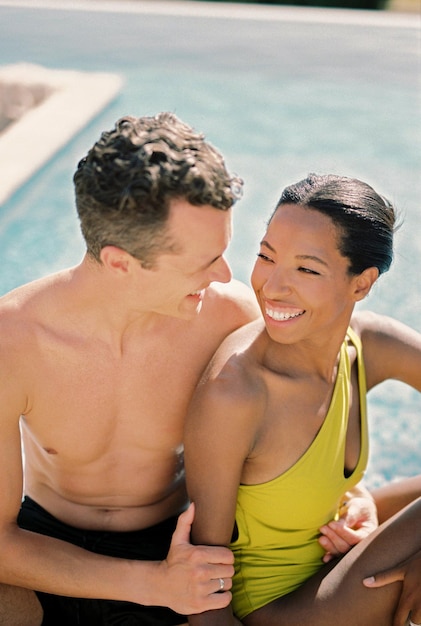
(280, 98)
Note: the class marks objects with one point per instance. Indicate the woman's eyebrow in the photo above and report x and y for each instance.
(302, 257)
(311, 257)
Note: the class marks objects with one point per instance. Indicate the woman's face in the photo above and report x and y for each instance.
(300, 278)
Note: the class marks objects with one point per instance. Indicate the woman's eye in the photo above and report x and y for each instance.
(307, 270)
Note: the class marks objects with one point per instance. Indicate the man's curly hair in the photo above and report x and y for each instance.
(126, 182)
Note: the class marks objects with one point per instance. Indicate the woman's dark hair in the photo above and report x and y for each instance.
(366, 221)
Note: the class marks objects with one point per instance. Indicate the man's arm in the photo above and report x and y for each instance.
(184, 581)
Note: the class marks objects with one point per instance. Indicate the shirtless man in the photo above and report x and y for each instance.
(98, 364)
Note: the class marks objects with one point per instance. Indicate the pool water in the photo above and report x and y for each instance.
(281, 94)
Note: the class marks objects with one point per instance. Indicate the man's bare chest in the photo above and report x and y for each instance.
(97, 404)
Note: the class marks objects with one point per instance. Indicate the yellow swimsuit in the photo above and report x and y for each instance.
(278, 521)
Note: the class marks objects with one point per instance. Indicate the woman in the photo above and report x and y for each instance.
(277, 431)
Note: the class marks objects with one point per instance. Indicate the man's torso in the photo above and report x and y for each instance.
(103, 429)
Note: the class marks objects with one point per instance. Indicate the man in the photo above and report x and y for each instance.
(97, 367)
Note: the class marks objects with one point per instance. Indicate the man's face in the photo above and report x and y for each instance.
(201, 236)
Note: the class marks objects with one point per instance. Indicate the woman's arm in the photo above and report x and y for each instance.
(393, 497)
(357, 519)
(217, 442)
(392, 350)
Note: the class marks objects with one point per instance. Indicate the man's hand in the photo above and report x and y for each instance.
(357, 519)
(194, 574)
(409, 573)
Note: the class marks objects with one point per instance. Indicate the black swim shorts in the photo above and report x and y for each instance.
(150, 544)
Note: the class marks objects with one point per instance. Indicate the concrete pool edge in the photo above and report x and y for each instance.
(27, 145)
(76, 97)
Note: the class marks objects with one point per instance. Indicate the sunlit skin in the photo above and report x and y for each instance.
(264, 399)
(301, 280)
(89, 484)
(179, 279)
(101, 360)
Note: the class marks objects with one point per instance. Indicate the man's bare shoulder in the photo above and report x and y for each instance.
(24, 300)
(28, 308)
(25, 313)
(234, 300)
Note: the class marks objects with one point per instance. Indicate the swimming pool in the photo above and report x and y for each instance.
(281, 92)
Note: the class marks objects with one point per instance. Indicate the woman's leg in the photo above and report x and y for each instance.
(337, 595)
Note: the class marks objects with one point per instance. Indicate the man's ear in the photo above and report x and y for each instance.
(115, 259)
(364, 282)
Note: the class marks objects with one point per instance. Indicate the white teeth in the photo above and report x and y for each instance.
(280, 316)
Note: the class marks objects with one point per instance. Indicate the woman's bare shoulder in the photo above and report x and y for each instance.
(233, 375)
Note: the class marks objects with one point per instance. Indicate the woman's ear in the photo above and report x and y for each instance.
(364, 282)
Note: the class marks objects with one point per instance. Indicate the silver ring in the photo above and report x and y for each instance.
(222, 585)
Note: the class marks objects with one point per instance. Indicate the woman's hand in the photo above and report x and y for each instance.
(409, 573)
(357, 519)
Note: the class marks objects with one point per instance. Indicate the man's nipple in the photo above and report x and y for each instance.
(50, 451)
